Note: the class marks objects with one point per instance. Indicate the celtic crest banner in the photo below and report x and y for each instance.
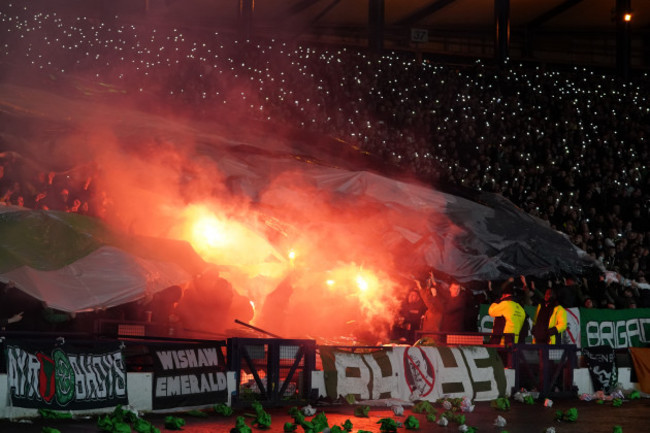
(42, 375)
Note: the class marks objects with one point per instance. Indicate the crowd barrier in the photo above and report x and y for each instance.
(275, 371)
(88, 373)
(547, 368)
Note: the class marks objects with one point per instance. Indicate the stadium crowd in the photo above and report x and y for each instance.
(567, 145)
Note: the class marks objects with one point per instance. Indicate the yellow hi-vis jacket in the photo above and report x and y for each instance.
(558, 320)
(513, 313)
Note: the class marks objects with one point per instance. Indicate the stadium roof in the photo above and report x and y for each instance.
(593, 15)
(555, 31)
(570, 31)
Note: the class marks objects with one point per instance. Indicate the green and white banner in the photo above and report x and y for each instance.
(415, 373)
(47, 376)
(616, 328)
(76, 263)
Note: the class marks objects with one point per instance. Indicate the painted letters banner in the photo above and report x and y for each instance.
(616, 328)
(58, 377)
(415, 373)
(188, 376)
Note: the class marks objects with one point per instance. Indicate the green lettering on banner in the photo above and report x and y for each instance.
(352, 372)
(366, 376)
(329, 371)
(335, 365)
(486, 372)
(383, 380)
(451, 368)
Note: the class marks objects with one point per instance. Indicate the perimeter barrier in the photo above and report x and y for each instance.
(273, 371)
(276, 371)
(545, 367)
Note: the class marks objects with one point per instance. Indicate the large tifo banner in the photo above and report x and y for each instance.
(415, 373)
(66, 377)
(188, 376)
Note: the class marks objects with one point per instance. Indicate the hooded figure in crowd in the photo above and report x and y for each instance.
(550, 320)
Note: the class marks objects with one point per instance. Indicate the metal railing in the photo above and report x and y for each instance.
(546, 367)
(272, 371)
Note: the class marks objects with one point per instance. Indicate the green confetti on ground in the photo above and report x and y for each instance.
(362, 411)
(411, 423)
(501, 403)
(388, 425)
(223, 409)
(174, 423)
(423, 407)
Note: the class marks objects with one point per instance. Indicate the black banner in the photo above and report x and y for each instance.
(601, 361)
(188, 376)
(41, 375)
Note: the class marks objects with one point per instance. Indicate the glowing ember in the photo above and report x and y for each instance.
(229, 242)
(361, 283)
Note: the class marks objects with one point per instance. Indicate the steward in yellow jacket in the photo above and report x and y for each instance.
(507, 311)
(550, 320)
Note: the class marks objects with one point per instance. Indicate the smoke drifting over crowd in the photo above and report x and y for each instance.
(194, 135)
(310, 261)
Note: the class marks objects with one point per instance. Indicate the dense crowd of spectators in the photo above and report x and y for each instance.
(568, 145)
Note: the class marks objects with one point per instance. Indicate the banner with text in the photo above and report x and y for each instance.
(616, 328)
(415, 373)
(188, 376)
(57, 377)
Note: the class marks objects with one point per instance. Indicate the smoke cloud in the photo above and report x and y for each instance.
(158, 122)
